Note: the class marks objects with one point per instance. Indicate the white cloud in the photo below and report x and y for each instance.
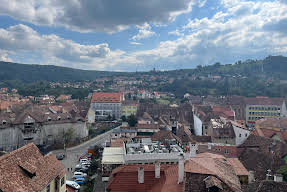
(176, 33)
(144, 32)
(242, 30)
(4, 56)
(22, 39)
(135, 43)
(94, 15)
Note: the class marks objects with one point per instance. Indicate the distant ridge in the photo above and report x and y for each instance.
(270, 66)
(31, 73)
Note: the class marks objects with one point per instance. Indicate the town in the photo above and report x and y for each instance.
(143, 96)
(142, 141)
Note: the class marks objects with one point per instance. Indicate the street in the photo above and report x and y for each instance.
(73, 153)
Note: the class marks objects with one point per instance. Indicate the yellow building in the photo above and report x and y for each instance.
(26, 169)
(129, 107)
(262, 107)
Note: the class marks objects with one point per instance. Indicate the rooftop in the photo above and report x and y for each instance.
(101, 97)
(26, 169)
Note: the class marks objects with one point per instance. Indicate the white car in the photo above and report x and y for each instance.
(86, 164)
(73, 184)
(79, 175)
(84, 161)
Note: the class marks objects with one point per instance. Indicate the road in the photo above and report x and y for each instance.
(73, 153)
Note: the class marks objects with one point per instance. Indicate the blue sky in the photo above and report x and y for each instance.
(129, 35)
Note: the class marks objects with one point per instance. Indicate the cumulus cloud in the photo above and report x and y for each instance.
(237, 33)
(144, 32)
(95, 15)
(23, 39)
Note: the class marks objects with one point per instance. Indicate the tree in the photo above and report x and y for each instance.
(283, 171)
(132, 120)
(124, 118)
(68, 135)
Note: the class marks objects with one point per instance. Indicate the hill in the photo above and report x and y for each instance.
(31, 73)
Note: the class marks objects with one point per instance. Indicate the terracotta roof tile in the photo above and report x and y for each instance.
(125, 178)
(100, 97)
(15, 166)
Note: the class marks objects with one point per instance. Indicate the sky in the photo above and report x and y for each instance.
(139, 35)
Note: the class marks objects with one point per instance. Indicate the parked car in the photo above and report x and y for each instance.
(84, 161)
(73, 184)
(81, 166)
(81, 170)
(60, 156)
(86, 164)
(80, 181)
(79, 174)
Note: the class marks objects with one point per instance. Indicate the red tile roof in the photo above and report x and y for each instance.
(26, 169)
(146, 126)
(125, 179)
(101, 97)
(213, 164)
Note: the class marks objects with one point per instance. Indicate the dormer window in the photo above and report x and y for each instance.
(4, 122)
(59, 118)
(49, 119)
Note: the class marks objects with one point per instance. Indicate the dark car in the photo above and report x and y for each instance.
(60, 156)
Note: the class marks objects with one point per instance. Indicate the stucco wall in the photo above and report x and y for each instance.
(241, 135)
(197, 125)
(12, 137)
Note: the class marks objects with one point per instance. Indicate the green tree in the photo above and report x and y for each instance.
(132, 120)
(124, 118)
(283, 171)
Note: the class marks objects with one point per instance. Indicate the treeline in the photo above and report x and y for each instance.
(43, 88)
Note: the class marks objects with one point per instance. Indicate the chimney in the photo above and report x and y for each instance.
(180, 168)
(251, 178)
(141, 175)
(193, 149)
(157, 170)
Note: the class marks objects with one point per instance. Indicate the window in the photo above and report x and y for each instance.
(240, 135)
(4, 122)
(246, 134)
(48, 188)
(226, 151)
(62, 181)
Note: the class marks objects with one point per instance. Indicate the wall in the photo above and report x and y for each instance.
(12, 137)
(197, 125)
(241, 135)
(230, 141)
(114, 107)
(53, 187)
(267, 111)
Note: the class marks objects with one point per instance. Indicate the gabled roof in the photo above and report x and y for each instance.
(26, 169)
(216, 165)
(101, 97)
(162, 135)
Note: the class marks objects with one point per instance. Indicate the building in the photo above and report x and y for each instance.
(274, 128)
(129, 107)
(222, 131)
(107, 106)
(262, 107)
(204, 172)
(124, 132)
(26, 169)
(42, 125)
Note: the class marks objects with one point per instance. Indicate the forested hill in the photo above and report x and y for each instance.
(31, 73)
(270, 66)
